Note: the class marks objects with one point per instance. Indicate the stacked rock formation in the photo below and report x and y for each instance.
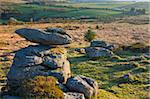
(99, 48)
(46, 59)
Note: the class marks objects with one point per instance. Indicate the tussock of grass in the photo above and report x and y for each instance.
(41, 87)
(106, 95)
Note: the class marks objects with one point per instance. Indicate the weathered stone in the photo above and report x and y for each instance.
(29, 56)
(63, 87)
(103, 44)
(54, 61)
(96, 52)
(92, 83)
(43, 37)
(83, 85)
(74, 95)
(38, 61)
(80, 50)
(63, 73)
(99, 43)
(112, 47)
(17, 75)
(136, 58)
(56, 30)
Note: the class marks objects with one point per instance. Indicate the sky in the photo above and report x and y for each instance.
(134, 0)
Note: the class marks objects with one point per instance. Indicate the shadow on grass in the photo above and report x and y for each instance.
(78, 59)
(119, 68)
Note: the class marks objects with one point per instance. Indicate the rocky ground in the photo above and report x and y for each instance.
(106, 71)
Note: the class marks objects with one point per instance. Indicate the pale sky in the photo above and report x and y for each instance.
(134, 0)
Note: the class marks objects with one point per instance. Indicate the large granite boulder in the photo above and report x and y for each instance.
(96, 52)
(38, 60)
(54, 37)
(81, 84)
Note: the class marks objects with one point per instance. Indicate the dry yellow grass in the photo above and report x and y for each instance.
(120, 33)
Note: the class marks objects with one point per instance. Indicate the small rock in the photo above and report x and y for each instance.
(147, 55)
(112, 47)
(80, 50)
(136, 58)
(98, 43)
(74, 95)
(126, 76)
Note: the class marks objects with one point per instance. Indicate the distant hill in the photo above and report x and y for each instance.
(23, 1)
(109, 0)
(137, 5)
(90, 0)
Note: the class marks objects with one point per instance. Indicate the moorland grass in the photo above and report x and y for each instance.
(109, 74)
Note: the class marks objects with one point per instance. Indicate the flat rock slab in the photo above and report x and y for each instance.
(54, 37)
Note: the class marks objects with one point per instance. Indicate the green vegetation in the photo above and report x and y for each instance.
(99, 4)
(103, 11)
(41, 87)
(38, 12)
(118, 78)
(90, 35)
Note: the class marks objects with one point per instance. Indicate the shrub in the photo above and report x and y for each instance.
(90, 35)
(41, 87)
